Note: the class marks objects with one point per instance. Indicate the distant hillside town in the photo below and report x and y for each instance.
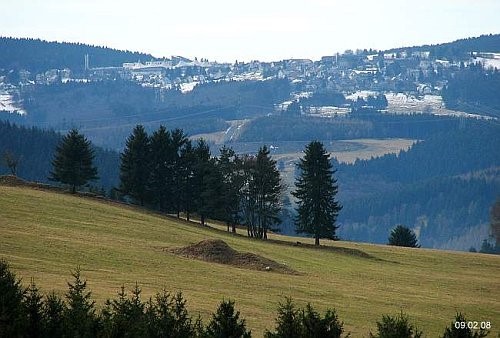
(401, 74)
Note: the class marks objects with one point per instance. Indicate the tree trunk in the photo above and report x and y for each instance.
(316, 240)
(202, 220)
(73, 189)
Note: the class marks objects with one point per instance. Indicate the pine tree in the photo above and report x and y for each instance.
(248, 193)
(80, 319)
(403, 236)
(495, 223)
(33, 304)
(396, 327)
(305, 323)
(213, 194)
(179, 144)
(168, 317)
(72, 163)
(135, 165)
(162, 160)
(316, 191)
(226, 323)
(12, 313)
(229, 166)
(54, 310)
(288, 324)
(185, 172)
(315, 326)
(463, 330)
(267, 188)
(124, 317)
(202, 168)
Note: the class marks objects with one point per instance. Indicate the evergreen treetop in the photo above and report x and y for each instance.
(316, 191)
(403, 236)
(72, 162)
(135, 165)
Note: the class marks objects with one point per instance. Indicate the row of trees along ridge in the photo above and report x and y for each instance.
(167, 172)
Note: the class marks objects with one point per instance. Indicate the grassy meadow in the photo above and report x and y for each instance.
(45, 235)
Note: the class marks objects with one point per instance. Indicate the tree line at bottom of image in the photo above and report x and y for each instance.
(26, 312)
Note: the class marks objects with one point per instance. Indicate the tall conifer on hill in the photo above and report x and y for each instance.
(135, 165)
(179, 143)
(161, 168)
(229, 166)
(72, 162)
(316, 191)
(202, 168)
(266, 188)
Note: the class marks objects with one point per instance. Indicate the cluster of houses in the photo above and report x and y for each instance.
(412, 73)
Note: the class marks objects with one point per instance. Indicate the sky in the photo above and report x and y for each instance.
(265, 30)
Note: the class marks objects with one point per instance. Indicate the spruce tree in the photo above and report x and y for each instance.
(226, 323)
(403, 236)
(33, 304)
(316, 191)
(288, 323)
(135, 165)
(124, 317)
(72, 162)
(179, 144)
(54, 310)
(185, 172)
(80, 319)
(460, 329)
(202, 169)
(396, 327)
(213, 193)
(167, 316)
(12, 312)
(267, 188)
(161, 166)
(229, 166)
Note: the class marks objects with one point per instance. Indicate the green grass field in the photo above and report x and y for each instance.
(45, 235)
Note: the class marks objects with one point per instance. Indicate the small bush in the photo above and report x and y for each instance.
(305, 323)
(226, 323)
(396, 327)
(403, 236)
(460, 329)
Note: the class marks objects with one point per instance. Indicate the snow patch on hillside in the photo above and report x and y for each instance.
(187, 87)
(8, 104)
(399, 103)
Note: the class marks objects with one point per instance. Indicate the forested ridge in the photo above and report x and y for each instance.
(474, 89)
(440, 186)
(37, 55)
(370, 124)
(459, 49)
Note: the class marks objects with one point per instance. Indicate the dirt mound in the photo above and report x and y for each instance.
(217, 251)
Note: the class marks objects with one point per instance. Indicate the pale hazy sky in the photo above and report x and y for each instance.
(229, 30)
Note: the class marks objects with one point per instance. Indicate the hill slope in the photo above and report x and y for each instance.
(45, 235)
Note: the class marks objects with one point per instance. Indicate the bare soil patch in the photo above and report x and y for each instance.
(217, 251)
